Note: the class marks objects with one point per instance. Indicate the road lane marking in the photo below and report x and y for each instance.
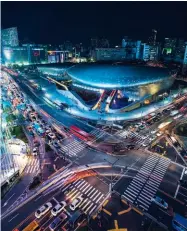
(107, 212)
(13, 217)
(8, 200)
(176, 192)
(124, 211)
(55, 200)
(38, 198)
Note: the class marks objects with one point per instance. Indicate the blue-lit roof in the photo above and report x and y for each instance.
(116, 76)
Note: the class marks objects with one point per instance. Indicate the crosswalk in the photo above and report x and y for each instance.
(92, 196)
(73, 148)
(32, 166)
(147, 181)
(97, 134)
(139, 139)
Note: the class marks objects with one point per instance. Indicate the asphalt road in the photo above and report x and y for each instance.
(159, 176)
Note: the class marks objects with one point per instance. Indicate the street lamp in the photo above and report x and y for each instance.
(111, 181)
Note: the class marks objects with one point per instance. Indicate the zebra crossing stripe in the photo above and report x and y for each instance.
(81, 184)
(143, 207)
(92, 209)
(128, 199)
(148, 194)
(132, 193)
(134, 187)
(85, 183)
(89, 189)
(88, 207)
(71, 192)
(85, 205)
(99, 198)
(86, 188)
(149, 188)
(94, 194)
(78, 194)
(144, 196)
(143, 202)
(83, 202)
(127, 195)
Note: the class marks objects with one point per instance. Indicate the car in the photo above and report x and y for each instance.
(151, 138)
(159, 201)
(76, 202)
(58, 208)
(57, 221)
(156, 119)
(153, 131)
(47, 131)
(56, 145)
(141, 127)
(143, 137)
(130, 146)
(43, 209)
(48, 127)
(51, 135)
(159, 114)
(165, 111)
(145, 144)
(35, 151)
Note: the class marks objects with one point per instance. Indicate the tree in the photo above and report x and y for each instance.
(10, 118)
(7, 109)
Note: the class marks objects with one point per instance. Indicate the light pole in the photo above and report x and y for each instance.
(111, 180)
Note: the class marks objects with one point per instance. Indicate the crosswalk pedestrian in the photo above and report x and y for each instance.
(92, 196)
(138, 139)
(32, 166)
(147, 181)
(97, 134)
(73, 148)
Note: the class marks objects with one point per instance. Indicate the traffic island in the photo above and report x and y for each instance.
(117, 214)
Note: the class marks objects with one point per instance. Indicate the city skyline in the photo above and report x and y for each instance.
(58, 22)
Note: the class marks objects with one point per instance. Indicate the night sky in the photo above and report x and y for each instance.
(55, 22)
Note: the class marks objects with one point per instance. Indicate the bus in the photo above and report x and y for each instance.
(179, 223)
(81, 134)
(32, 226)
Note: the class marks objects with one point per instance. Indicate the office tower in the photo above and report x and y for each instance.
(9, 37)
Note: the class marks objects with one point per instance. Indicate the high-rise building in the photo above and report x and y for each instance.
(104, 43)
(144, 52)
(25, 54)
(149, 52)
(94, 43)
(99, 43)
(169, 46)
(185, 55)
(68, 46)
(152, 38)
(180, 50)
(109, 54)
(132, 48)
(9, 37)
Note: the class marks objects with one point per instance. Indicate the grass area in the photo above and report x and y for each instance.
(19, 133)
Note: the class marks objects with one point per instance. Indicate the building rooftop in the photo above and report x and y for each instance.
(110, 76)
